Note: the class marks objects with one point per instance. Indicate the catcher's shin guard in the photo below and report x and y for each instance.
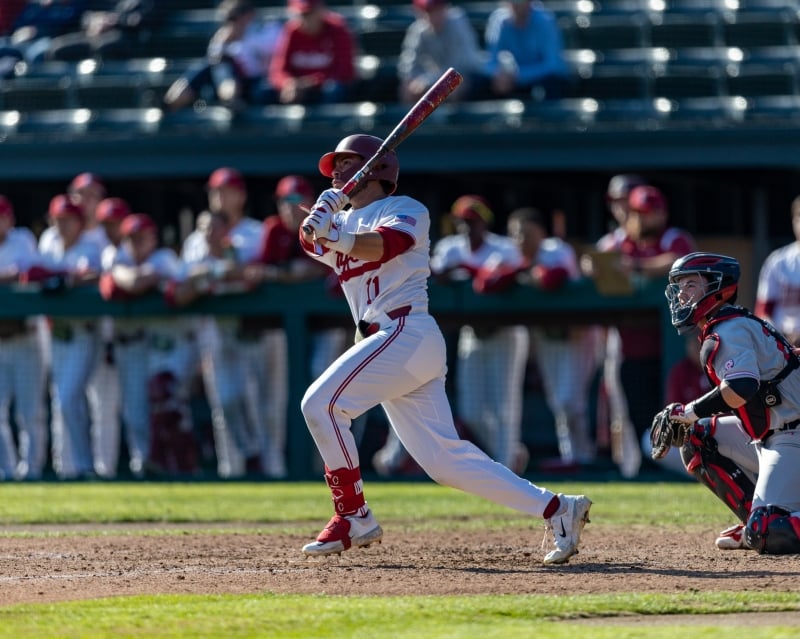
(720, 474)
(773, 531)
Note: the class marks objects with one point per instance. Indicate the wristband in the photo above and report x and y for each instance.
(709, 404)
(344, 243)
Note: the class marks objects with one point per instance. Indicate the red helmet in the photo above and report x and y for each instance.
(722, 274)
(364, 146)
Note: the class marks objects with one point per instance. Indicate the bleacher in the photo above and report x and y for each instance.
(667, 61)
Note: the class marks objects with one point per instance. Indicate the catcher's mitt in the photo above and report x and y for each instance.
(665, 432)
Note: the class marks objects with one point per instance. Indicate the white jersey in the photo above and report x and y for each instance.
(779, 282)
(556, 253)
(253, 50)
(245, 239)
(372, 288)
(18, 250)
(84, 255)
(454, 252)
(96, 234)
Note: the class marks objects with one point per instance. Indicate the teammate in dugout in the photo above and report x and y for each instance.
(380, 250)
(740, 439)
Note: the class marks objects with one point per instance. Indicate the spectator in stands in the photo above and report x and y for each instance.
(229, 345)
(22, 369)
(491, 359)
(35, 27)
(624, 443)
(778, 290)
(237, 61)
(315, 58)
(69, 259)
(114, 32)
(441, 37)
(525, 52)
(648, 251)
(154, 356)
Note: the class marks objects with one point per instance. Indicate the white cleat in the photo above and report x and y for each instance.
(731, 538)
(342, 533)
(566, 527)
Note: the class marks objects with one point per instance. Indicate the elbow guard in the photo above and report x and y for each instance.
(744, 387)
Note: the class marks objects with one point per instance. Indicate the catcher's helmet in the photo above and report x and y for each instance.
(722, 274)
(365, 146)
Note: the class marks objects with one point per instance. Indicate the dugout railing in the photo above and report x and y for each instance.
(302, 307)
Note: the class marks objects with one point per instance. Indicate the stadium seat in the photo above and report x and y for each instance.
(685, 30)
(36, 93)
(54, 124)
(676, 81)
(608, 32)
(211, 119)
(753, 79)
(124, 122)
(381, 41)
(104, 92)
(758, 29)
(377, 78)
(613, 82)
(774, 110)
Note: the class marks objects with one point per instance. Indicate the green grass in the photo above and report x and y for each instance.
(279, 507)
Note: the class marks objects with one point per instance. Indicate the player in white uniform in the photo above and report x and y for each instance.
(379, 249)
(564, 354)
(231, 348)
(153, 355)
(491, 361)
(73, 257)
(743, 440)
(778, 291)
(22, 372)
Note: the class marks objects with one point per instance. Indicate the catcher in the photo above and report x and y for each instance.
(741, 438)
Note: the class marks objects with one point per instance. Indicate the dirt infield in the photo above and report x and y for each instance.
(124, 561)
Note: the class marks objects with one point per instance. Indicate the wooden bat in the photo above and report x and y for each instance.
(427, 104)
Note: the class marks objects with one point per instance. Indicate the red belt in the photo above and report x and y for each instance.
(370, 328)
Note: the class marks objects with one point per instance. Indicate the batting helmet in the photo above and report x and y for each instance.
(365, 146)
(722, 274)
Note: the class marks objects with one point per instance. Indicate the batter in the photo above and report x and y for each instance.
(380, 251)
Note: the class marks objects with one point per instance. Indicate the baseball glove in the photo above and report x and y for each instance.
(666, 432)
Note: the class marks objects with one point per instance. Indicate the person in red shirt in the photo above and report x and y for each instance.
(648, 251)
(314, 61)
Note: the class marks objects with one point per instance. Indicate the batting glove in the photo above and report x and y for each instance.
(683, 414)
(332, 201)
(319, 221)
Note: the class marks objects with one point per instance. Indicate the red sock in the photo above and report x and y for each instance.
(552, 507)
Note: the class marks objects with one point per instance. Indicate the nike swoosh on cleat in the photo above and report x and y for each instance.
(563, 532)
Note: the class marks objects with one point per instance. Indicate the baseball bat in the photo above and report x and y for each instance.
(417, 114)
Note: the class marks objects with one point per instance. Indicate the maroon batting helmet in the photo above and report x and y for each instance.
(722, 274)
(365, 146)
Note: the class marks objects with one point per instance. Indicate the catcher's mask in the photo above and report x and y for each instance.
(365, 146)
(721, 274)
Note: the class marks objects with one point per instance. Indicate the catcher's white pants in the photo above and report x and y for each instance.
(402, 368)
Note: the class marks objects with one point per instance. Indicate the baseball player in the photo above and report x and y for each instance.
(86, 190)
(104, 387)
(379, 248)
(563, 354)
(69, 257)
(778, 290)
(22, 371)
(740, 439)
(227, 344)
(491, 361)
(625, 449)
(154, 356)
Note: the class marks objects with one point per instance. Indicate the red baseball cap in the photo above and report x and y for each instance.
(304, 6)
(6, 209)
(295, 188)
(112, 208)
(472, 207)
(62, 206)
(226, 176)
(135, 223)
(86, 180)
(647, 199)
(427, 5)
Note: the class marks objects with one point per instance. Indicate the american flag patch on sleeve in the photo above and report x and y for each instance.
(408, 219)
